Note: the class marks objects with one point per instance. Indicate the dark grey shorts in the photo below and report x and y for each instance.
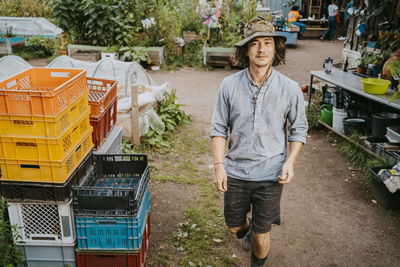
(264, 198)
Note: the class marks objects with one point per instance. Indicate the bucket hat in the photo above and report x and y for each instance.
(258, 27)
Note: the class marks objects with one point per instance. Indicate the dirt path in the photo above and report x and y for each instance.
(328, 218)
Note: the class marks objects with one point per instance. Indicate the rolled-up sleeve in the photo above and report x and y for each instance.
(220, 118)
(298, 125)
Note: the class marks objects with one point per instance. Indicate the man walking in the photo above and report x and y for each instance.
(254, 105)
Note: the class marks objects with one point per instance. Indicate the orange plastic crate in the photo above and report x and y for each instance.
(41, 91)
(46, 171)
(104, 124)
(33, 148)
(101, 94)
(44, 126)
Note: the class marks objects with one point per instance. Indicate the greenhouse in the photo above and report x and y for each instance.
(125, 73)
(29, 27)
(10, 65)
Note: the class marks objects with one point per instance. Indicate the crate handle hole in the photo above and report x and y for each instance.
(30, 166)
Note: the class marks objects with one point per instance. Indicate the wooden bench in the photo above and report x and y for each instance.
(314, 31)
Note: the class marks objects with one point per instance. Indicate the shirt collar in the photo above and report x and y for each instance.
(247, 71)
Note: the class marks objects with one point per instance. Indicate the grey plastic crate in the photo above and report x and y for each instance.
(391, 157)
(49, 256)
(113, 143)
(393, 134)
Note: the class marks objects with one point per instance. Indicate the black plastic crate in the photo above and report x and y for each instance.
(114, 188)
(33, 192)
(381, 193)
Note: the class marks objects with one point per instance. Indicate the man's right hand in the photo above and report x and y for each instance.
(220, 178)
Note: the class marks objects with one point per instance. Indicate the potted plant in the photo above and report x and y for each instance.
(363, 64)
(394, 68)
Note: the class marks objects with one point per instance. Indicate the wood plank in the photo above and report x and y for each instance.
(350, 140)
(315, 29)
(135, 115)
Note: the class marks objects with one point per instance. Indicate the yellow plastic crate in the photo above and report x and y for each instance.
(47, 171)
(45, 148)
(44, 126)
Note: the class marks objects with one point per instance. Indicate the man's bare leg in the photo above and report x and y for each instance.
(235, 230)
(260, 245)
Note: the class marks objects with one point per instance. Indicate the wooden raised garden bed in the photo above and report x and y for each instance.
(7, 45)
(155, 53)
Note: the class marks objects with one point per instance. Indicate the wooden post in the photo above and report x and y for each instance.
(135, 115)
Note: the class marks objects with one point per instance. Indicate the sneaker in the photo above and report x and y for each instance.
(246, 241)
(341, 38)
(321, 38)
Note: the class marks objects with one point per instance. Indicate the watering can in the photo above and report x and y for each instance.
(326, 114)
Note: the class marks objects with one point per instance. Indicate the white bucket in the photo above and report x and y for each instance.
(108, 55)
(337, 121)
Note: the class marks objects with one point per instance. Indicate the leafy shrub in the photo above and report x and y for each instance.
(130, 54)
(25, 8)
(40, 47)
(172, 116)
(9, 255)
(101, 22)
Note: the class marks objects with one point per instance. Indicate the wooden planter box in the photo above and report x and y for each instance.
(220, 56)
(8, 44)
(87, 55)
(155, 53)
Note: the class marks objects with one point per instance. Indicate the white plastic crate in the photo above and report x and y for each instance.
(49, 256)
(113, 143)
(43, 223)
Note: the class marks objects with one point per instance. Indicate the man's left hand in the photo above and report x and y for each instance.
(287, 173)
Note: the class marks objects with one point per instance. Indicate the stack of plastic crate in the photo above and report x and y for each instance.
(103, 106)
(112, 211)
(45, 148)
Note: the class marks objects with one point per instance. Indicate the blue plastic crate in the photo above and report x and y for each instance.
(113, 233)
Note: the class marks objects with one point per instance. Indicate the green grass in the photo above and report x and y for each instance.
(202, 235)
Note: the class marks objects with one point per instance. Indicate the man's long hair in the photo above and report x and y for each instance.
(280, 53)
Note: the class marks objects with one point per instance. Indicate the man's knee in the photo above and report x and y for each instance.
(234, 230)
(260, 239)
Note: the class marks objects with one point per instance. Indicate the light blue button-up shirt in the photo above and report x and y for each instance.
(257, 124)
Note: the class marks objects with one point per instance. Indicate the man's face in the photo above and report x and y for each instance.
(261, 51)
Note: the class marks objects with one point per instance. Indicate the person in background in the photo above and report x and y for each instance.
(333, 11)
(293, 16)
(346, 16)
